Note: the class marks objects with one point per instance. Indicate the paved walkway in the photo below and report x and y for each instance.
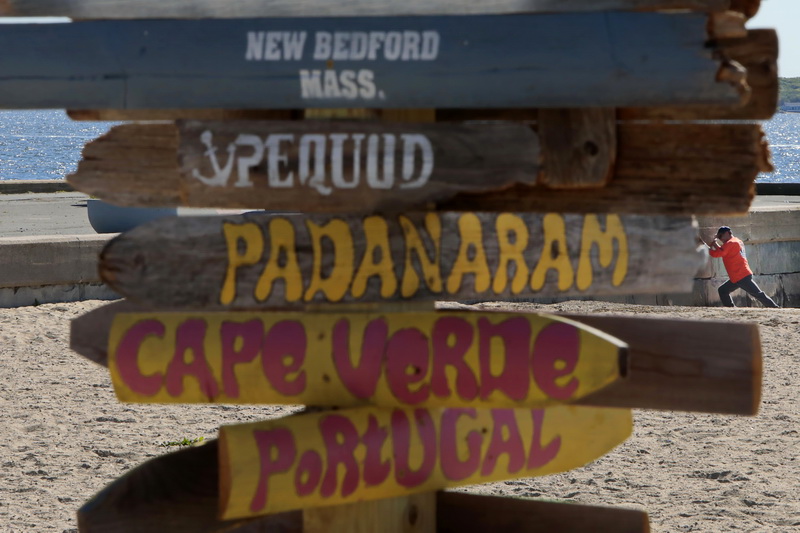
(64, 213)
(60, 213)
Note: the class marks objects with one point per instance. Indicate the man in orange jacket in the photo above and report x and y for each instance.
(731, 250)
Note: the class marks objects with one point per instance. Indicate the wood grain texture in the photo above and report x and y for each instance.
(748, 7)
(727, 25)
(406, 514)
(545, 441)
(323, 344)
(579, 147)
(459, 512)
(110, 9)
(260, 260)
(758, 53)
(678, 365)
(660, 168)
(336, 165)
(547, 60)
(177, 492)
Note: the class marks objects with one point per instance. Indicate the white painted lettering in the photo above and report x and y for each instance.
(358, 45)
(337, 159)
(375, 40)
(331, 84)
(366, 83)
(221, 174)
(275, 158)
(317, 180)
(411, 41)
(374, 178)
(255, 46)
(311, 84)
(310, 156)
(430, 46)
(244, 164)
(411, 143)
(393, 46)
(293, 45)
(272, 47)
(341, 40)
(349, 89)
(322, 46)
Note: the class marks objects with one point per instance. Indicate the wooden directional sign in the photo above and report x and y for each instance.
(363, 454)
(671, 365)
(179, 492)
(311, 165)
(89, 9)
(267, 260)
(551, 60)
(659, 169)
(454, 359)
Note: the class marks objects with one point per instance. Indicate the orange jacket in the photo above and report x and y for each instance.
(734, 259)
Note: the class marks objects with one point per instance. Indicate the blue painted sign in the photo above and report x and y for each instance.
(550, 60)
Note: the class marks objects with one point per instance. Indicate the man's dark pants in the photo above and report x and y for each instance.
(749, 287)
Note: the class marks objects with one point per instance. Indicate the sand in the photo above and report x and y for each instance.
(65, 435)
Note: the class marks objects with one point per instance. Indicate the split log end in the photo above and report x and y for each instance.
(764, 154)
(727, 25)
(733, 73)
(748, 7)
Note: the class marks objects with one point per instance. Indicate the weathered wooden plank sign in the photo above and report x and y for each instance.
(403, 359)
(660, 168)
(671, 366)
(462, 512)
(91, 9)
(320, 166)
(757, 53)
(351, 162)
(179, 492)
(261, 260)
(176, 492)
(294, 462)
(551, 60)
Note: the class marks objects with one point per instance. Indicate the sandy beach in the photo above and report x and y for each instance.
(65, 435)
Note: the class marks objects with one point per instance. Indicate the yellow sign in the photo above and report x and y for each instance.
(458, 254)
(362, 454)
(430, 359)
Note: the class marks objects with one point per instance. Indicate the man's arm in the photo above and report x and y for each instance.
(714, 250)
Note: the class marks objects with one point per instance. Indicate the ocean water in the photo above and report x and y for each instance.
(46, 145)
(783, 134)
(43, 144)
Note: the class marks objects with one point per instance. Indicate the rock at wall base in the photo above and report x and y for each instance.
(49, 294)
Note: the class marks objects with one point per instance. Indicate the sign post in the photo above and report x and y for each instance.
(407, 153)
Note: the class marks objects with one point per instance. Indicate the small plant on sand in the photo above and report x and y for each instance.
(183, 442)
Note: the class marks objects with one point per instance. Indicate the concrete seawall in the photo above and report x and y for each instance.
(39, 264)
(51, 269)
(772, 244)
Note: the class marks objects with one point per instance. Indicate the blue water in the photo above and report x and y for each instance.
(43, 145)
(783, 134)
(47, 145)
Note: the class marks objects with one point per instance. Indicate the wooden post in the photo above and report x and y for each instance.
(436, 398)
(408, 514)
(579, 147)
